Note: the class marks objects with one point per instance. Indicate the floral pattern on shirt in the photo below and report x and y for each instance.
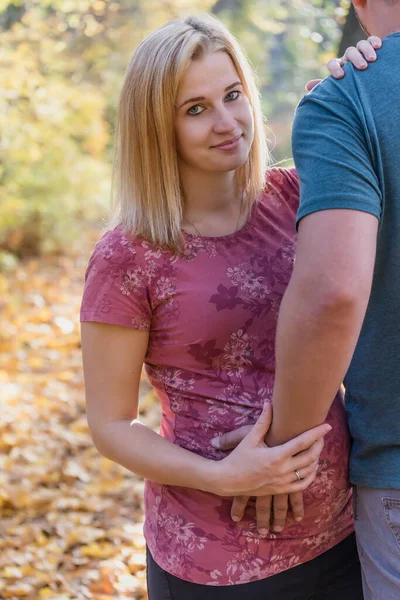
(211, 315)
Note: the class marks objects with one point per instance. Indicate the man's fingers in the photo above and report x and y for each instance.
(280, 508)
(230, 440)
(306, 439)
(238, 507)
(263, 513)
(297, 505)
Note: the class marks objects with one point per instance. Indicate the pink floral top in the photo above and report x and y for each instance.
(211, 317)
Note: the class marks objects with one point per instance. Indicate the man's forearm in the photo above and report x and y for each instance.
(316, 337)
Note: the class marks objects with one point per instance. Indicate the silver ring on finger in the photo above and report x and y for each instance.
(297, 473)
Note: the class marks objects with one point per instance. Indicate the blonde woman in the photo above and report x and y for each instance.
(188, 281)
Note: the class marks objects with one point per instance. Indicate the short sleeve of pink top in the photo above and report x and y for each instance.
(211, 317)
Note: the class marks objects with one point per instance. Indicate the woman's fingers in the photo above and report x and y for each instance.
(375, 41)
(300, 486)
(307, 458)
(359, 56)
(288, 483)
(263, 513)
(304, 472)
(261, 426)
(354, 56)
(367, 50)
(310, 85)
(238, 507)
(363, 53)
(335, 68)
(305, 440)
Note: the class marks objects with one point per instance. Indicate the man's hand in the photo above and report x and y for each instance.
(229, 441)
(270, 507)
(264, 504)
(280, 508)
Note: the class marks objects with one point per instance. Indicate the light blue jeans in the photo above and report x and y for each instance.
(377, 524)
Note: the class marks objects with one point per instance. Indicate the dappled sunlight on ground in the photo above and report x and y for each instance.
(70, 520)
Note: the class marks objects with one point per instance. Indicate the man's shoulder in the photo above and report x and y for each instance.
(334, 91)
(359, 86)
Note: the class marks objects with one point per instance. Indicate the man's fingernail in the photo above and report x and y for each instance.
(298, 518)
(338, 73)
(371, 56)
(215, 442)
(263, 531)
(278, 529)
(235, 518)
(362, 64)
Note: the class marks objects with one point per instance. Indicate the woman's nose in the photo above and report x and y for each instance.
(224, 121)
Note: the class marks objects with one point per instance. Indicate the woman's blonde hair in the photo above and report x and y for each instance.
(149, 201)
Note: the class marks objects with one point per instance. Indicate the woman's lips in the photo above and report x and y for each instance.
(229, 144)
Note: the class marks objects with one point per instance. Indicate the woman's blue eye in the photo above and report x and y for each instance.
(197, 109)
(234, 95)
(194, 110)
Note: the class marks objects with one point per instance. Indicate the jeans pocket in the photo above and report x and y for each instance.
(392, 513)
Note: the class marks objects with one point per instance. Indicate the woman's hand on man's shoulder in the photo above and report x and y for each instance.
(359, 56)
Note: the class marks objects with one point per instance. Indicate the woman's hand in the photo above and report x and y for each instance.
(359, 56)
(254, 469)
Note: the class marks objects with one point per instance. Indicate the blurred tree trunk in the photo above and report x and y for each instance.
(11, 14)
(352, 32)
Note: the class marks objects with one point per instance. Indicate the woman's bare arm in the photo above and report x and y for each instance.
(113, 357)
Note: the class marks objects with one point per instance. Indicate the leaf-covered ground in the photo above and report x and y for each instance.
(70, 520)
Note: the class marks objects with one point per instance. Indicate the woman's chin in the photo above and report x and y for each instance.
(227, 164)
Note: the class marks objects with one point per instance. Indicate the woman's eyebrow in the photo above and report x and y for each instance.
(198, 98)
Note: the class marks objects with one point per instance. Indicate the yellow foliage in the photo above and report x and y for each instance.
(65, 511)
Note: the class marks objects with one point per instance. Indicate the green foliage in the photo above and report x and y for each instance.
(61, 68)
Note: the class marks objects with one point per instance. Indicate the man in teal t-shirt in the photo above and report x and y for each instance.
(341, 313)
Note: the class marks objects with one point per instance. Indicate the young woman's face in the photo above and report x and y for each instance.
(214, 123)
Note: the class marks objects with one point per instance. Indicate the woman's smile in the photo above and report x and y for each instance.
(229, 145)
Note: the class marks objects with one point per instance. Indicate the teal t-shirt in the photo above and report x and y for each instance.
(346, 147)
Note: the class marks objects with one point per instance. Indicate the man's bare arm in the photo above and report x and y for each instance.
(321, 316)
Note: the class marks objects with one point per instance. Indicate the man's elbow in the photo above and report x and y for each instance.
(338, 296)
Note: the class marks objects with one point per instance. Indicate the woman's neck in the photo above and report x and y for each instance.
(213, 203)
(209, 193)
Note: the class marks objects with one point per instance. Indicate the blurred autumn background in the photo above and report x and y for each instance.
(70, 520)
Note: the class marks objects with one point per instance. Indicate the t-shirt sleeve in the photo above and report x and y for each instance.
(333, 154)
(116, 290)
(285, 184)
